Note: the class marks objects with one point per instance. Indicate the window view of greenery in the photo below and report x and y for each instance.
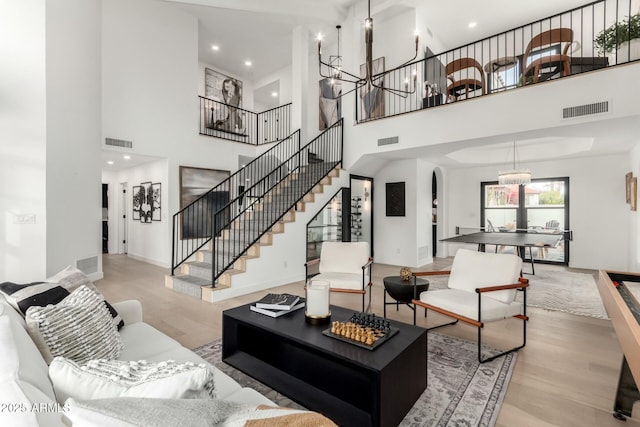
(546, 193)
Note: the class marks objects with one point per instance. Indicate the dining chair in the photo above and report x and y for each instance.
(541, 62)
(465, 75)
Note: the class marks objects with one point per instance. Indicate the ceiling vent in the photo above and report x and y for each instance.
(112, 142)
(388, 141)
(585, 110)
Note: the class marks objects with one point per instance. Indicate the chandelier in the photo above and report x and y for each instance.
(515, 176)
(369, 79)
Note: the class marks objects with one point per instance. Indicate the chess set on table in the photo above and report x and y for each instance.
(362, 329)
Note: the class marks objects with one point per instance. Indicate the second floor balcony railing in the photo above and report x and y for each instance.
(594, 36)
(237, 124)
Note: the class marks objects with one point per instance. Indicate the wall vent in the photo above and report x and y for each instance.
(118, 143)
(585, 110)
(388, 141)
(88, 265)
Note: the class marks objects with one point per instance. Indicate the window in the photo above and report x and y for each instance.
(539, 207)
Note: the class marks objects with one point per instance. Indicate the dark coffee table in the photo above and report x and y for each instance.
(351, 385)
(403, 292)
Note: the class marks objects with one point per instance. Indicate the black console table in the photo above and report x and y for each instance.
(351, 385)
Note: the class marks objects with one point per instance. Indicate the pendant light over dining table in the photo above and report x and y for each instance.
(515, 176)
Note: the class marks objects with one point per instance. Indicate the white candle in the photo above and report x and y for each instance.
(317, 298)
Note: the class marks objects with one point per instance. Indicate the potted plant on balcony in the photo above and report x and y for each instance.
(621, 41)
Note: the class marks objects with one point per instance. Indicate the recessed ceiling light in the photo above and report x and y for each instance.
(274, 94)
(247, 63)
(126, 157)
(110, 162)
(215, 47)
(472, 24)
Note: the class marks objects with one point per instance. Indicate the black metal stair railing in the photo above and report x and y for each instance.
(268, 200)
(603, 33)
(237, 124)
(193, 225)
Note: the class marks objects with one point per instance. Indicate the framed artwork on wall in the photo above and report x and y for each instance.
(194, 182)
(330, 108)
(226, 114)
(628, 178)
(395, 202)
(634, 194)
(371, 99)
(137, 201)
(145, 206)
(156, 201)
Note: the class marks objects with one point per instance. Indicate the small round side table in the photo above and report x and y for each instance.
(403, 292)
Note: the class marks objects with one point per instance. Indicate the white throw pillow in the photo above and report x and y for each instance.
(79, 327)
(102, 379)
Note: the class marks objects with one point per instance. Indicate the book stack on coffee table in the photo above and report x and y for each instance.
(275, 305)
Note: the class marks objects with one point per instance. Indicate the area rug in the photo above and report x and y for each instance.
(460, 392)
(554, 288)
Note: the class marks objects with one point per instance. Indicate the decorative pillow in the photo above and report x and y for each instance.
(23, 296)
(54, 290)
(132, 411)
(70, 278)
(100, 379)
(79, 327)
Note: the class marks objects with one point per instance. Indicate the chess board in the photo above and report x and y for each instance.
(363, 330)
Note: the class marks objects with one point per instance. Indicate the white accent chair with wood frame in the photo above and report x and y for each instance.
(482, 288)
(346, 266)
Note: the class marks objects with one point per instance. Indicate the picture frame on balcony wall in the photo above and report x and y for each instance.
(395, 199)
(226, 114)
(628, 178)
(330, 103)
(194, 183)
(370, 98)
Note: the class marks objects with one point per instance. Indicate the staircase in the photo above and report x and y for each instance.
(253, 213)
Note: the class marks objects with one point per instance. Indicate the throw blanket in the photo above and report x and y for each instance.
(152, 412)
(269, 416)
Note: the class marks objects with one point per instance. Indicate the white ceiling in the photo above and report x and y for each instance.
(261, 31)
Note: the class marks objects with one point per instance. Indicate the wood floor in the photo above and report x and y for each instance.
(565, 376)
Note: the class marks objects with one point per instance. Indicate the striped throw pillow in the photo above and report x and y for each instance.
(79, 328)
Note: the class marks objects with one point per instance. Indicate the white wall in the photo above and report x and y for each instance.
(150, 242)
(73, 134)
(597, 206)
(397, 239)
(151, 81)
(634, 217)
(22, 140)
(283, 76)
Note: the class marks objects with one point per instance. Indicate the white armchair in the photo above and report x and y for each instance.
(346, 266)
(482, 288)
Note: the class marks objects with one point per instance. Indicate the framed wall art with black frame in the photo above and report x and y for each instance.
(395, 199)
(137, 202)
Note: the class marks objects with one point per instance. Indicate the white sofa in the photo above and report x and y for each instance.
(26, 393)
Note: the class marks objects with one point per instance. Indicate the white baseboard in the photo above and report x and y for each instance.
(149, 260)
